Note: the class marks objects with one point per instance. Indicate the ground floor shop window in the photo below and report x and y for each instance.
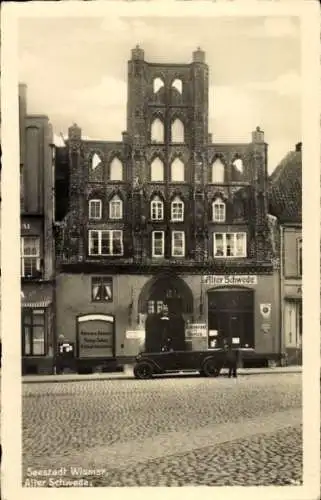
(33, 332)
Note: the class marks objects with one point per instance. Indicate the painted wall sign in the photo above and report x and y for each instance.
(265, 310)
(233, 279)
(194, 330)
(135, 334)
(95, 336)
(266, 327)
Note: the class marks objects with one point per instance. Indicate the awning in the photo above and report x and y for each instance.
(36, 296)
(41, 304)
(293, 297)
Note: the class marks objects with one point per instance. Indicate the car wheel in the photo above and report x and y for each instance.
(143, 371)
(210, 368)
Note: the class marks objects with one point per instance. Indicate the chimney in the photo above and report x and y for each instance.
(199, 56)
(125, 137)
(138, 54)
(74, 132)
(258, 136)
(298, 147)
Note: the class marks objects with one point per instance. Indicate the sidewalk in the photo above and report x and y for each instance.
(128, 374)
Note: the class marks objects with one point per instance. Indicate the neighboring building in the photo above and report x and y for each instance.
(165, 216)
(286, 205)
(37, 243)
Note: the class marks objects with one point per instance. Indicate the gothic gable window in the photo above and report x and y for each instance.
(238, 164)
(177, 209)
(157, 84)
(116, 208)
(116, 170)
(157, 131)
(157, 208)
(102, 289)
(178, 85)
(157, 170)
(218, 210)
(95, 209)
(229, 245)
(177, 131)
(96, 161)
(177, 171)
(218, 171)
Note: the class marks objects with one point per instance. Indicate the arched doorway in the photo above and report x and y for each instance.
(231, 314)
(171, 291)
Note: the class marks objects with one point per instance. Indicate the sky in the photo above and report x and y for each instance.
(76, 71)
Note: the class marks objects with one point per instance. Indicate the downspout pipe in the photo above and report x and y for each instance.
(281, 281)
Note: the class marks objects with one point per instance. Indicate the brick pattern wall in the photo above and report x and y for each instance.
(245, 193)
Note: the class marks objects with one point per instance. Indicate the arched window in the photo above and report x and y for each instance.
(177, 209)
(96, 161)
(116, 207)
(218, 171)
(116, 170)
(157, 131)
(177, 171)
(95, 209)
(157, 208)
(178, 85)
(177, 130)
(157, 170)
(219, 210)
(157, 84)
(238, 163)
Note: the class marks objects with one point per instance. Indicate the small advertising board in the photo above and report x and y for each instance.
(95, 336)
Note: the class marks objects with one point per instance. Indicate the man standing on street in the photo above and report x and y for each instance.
(231, 359)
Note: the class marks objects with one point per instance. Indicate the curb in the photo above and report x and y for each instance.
(129, 376)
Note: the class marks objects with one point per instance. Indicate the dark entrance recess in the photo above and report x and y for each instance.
(173, 292)
(231, 312)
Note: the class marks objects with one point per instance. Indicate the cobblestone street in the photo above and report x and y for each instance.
(164, 432)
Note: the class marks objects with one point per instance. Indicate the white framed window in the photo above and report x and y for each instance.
(177, 171)
(157, 208)
(157, 170)
(229, 244)
(30, 256)
(177, 210)
(103, 242)
(218, 210)
(178, 244)
(218, 171)
(157, 131)
(95, 209)
(116, 170)
(178, 85)
(299, 255)
(116, 208)
(157, 84)
(158, 243)
(177, 131)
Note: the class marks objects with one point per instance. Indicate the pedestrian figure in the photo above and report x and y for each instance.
(231, 359)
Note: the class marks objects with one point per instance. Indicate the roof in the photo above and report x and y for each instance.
(285, 188)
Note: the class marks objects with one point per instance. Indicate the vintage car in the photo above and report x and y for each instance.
(208, 363)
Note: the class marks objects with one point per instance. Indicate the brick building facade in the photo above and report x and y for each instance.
(37, 241)
(166, 215)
